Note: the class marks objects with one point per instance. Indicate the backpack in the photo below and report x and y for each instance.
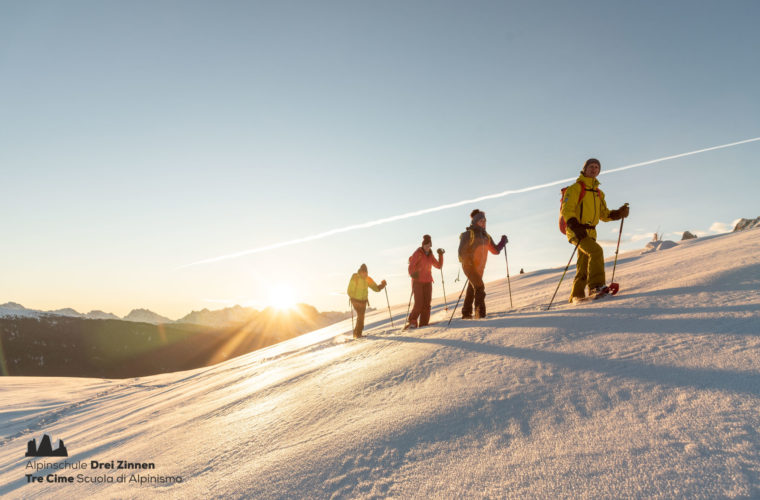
(409, 268)
(562, 223)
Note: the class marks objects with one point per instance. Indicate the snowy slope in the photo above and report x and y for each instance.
(652, 394)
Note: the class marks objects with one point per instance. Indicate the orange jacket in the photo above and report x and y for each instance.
(474, 245)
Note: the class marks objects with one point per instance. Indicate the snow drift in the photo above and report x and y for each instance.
(654, 393)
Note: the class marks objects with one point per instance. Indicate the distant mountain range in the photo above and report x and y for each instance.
(67, 343)
(222, 318)
(138, 315)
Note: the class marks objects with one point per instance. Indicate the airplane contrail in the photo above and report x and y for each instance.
(416, 213)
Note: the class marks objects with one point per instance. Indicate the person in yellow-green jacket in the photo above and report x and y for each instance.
(358, 293)
(583, 206)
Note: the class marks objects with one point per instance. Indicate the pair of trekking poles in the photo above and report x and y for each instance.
(612, 281)
(445, 300)
(351, 306)
(467, 282)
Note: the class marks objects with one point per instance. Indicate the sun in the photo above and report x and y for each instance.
(282, 297)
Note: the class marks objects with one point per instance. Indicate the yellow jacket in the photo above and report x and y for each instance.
(590, 210)
(357, 287)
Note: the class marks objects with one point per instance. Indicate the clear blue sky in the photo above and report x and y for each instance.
(140, 136)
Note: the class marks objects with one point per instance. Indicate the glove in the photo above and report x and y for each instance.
(620, 213)
(577, 228)
(441, 251)
(415, 275)
(502, 243)
(383, 284)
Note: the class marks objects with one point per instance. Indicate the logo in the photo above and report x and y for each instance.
(46, 448)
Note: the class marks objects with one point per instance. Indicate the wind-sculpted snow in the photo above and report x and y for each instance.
(653, 393)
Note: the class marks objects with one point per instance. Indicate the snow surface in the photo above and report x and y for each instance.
(654, 393)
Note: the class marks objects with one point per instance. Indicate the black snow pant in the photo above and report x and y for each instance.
(423, 294)
(361, 308)
(476, 290)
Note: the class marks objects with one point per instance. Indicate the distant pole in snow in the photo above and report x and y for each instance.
(389, 305)
(466, 282)
(617, 249)
(508, 283)
(563, 276)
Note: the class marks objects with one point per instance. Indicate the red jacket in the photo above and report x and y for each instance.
(420, 263)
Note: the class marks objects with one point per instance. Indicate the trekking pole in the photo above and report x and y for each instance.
(563, 275)
(408, 307)
(617, 249)
(351, 306)
(508, 283)
(443, 284)
(466, 282)
(389, 305)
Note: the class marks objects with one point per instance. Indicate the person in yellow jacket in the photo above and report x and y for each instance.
(582, 208)
(358, 293)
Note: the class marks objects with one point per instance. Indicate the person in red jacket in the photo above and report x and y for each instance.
(420, 264)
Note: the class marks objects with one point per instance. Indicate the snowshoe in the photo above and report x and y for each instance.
(599, 292)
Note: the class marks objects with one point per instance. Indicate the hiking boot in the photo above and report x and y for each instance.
(467, 316)
(598, 291)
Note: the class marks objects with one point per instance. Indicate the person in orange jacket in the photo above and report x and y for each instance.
(420, 269)
(474, 245)
(359, 295)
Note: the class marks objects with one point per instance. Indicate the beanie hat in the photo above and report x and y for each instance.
(426, 240)
(477, 215)
(363, 268)
(591, 161)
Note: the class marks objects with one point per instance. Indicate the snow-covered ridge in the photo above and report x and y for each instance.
(744, 224)
(11, 309)
(653, 393)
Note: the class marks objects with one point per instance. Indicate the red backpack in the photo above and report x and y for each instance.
(562, 223)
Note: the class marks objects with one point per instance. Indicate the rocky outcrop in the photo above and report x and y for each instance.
(656, 246)
(745, 224)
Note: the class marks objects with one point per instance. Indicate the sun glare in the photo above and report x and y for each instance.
(282, 297)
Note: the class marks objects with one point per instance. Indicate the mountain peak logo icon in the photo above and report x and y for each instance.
(46, 448)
